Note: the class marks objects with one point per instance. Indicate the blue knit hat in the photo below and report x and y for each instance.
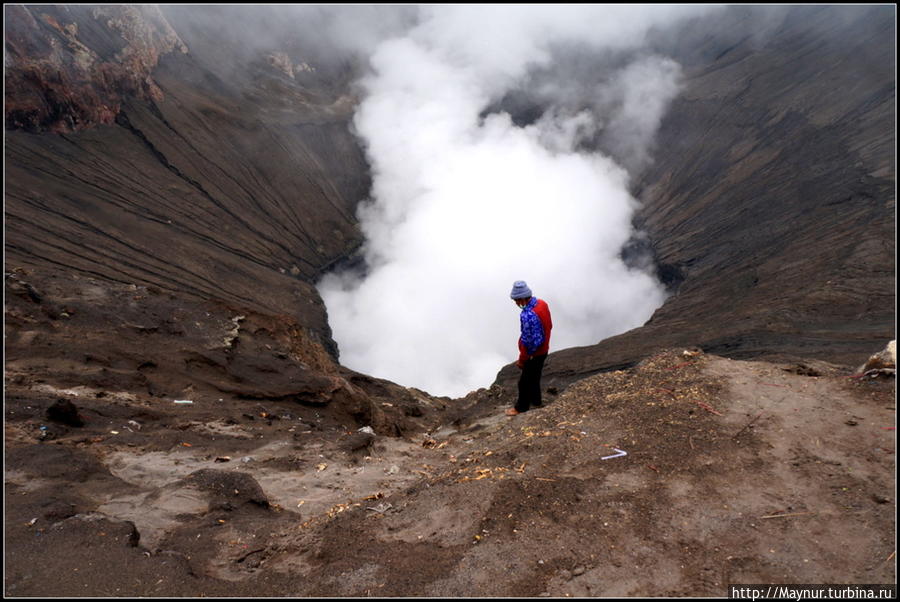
(520, 290)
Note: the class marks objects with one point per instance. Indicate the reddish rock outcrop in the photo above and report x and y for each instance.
(72, 67)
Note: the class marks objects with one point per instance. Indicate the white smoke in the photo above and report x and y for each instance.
(464, 202)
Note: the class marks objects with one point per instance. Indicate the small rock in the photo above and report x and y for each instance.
(65, 412)
(886, 359)
(356, 442)
(93, 524)
(228, 489)
(880, 499)
(578, 571)
(59, 510)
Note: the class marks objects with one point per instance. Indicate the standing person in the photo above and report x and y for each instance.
(534, 343)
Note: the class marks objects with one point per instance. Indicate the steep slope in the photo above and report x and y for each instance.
(165, 219)
(771, 203)
(241, 190)
(228, 172)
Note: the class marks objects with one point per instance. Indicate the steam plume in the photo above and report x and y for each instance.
(466, 200)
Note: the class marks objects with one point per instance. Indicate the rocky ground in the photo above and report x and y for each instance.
(732, 472)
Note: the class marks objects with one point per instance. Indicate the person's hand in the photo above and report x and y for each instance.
(520, 364)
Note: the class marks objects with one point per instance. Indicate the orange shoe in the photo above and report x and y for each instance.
(512, 412)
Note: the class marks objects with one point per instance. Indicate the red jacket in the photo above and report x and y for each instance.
(543, 312)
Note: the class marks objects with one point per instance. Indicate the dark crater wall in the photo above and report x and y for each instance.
(770, 207)
(140, 149)
(227, 174)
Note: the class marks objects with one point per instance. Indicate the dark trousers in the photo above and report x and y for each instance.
(530, 384)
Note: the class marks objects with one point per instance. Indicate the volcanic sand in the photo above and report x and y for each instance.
(734, 472)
